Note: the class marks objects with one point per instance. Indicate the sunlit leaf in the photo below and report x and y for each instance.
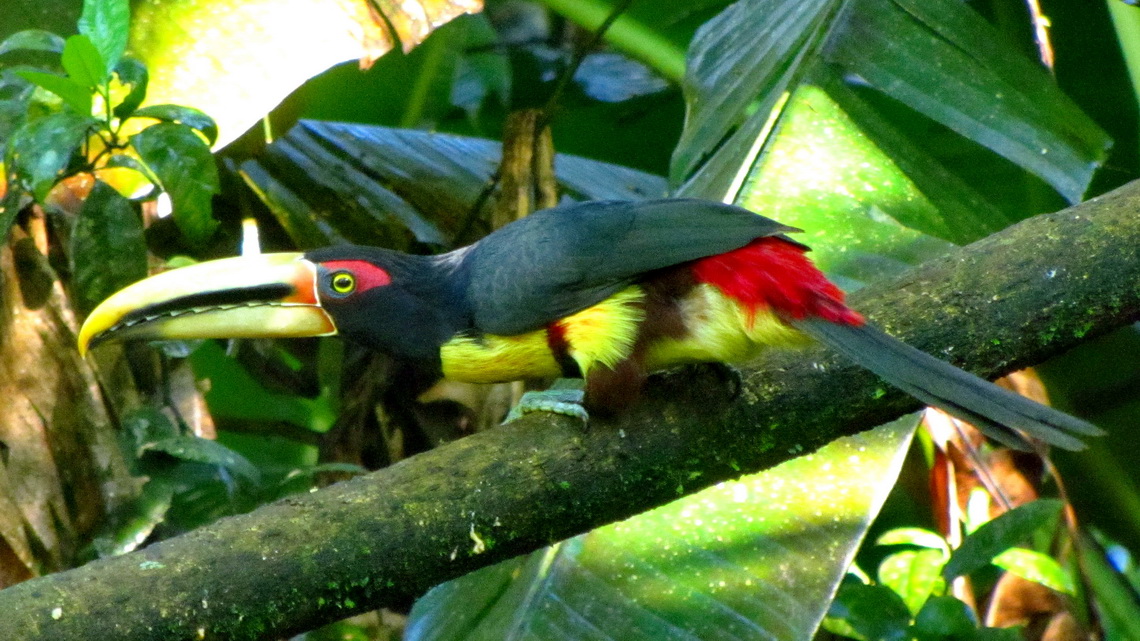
(107, 247)
(914, 536)
(935, 56)
(83, 62)
(979, 548)
(186, 171)
(914, 575)
(249, 58)
(1037, 567)
(189, 116)
(754, 558)
(823, 175)
(230, 387)
(106, 23)
(944, 60)
(32, 40)
(75, 95)
(39, 151)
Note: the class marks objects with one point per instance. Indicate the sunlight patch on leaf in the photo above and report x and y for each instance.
(237, 60)
(755, 558)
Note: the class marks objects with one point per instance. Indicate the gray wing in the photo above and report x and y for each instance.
(556, 262)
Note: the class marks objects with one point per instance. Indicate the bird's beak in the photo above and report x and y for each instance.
(260, 296)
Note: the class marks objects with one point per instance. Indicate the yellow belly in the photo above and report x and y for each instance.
(719, 330)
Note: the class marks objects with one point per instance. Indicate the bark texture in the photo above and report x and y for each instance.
(1005, 302)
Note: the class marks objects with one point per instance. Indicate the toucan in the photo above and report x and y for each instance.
(604, 291)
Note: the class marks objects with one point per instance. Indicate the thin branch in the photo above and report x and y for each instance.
(1005, 302)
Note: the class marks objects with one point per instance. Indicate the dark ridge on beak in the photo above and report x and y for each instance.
(264, 294)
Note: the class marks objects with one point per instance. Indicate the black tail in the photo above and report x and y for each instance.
(994, 410)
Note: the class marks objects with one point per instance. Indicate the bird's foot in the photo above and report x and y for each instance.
(565, 397)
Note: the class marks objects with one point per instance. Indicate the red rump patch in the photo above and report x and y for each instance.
(367, 274)
(770, 273)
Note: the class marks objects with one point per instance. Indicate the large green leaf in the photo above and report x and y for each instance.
(331, 181)
(936, 57)
(187, 173)
(243, 58)
(752, 559)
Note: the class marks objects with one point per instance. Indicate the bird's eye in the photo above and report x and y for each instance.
(343, 283)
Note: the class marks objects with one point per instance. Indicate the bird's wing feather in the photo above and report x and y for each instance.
(559, 261)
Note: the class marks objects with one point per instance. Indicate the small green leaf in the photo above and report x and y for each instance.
(83, 62)
(131, 72)
(200, 450)
(942, 618)
(75, 95)
(106, 23)
(913, 575)
(188, 116)
(144, 514)
(1000, 534)
(39, 151)
(872, 611)
(32, 40)
(914, 536)
(186, 171)
(107, 247)
(1037, 567)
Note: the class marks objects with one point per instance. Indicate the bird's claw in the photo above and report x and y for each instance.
(559, 401)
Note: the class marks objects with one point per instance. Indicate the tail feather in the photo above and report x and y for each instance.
(996, 411)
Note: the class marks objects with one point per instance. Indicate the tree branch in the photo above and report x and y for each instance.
(1007, 301)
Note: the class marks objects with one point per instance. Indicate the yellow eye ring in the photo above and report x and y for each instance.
(343, 282)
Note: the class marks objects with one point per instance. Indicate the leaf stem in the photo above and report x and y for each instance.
(627, 34)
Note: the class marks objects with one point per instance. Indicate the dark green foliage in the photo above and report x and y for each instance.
(1000, 534)
(185, 170)
(107, 247)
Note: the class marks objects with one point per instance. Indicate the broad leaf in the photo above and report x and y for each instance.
(106, 23)
(107, 247)
(200, 450)
(992, 538)
(186, 170)
(755, 558)
(39, 151)
(327, 182)
(1037, 567)
(935, 56)
(247, 58)
(83, 62)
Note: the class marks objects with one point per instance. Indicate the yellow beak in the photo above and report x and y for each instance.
(260, 296)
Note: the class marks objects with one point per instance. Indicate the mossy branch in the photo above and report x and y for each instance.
(1010, 300)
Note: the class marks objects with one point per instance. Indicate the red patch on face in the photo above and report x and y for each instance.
(770, 273)
(367, 275)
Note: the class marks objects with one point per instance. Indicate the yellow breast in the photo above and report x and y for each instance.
(718, 329)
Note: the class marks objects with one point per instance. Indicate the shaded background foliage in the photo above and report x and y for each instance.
(899, 127)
